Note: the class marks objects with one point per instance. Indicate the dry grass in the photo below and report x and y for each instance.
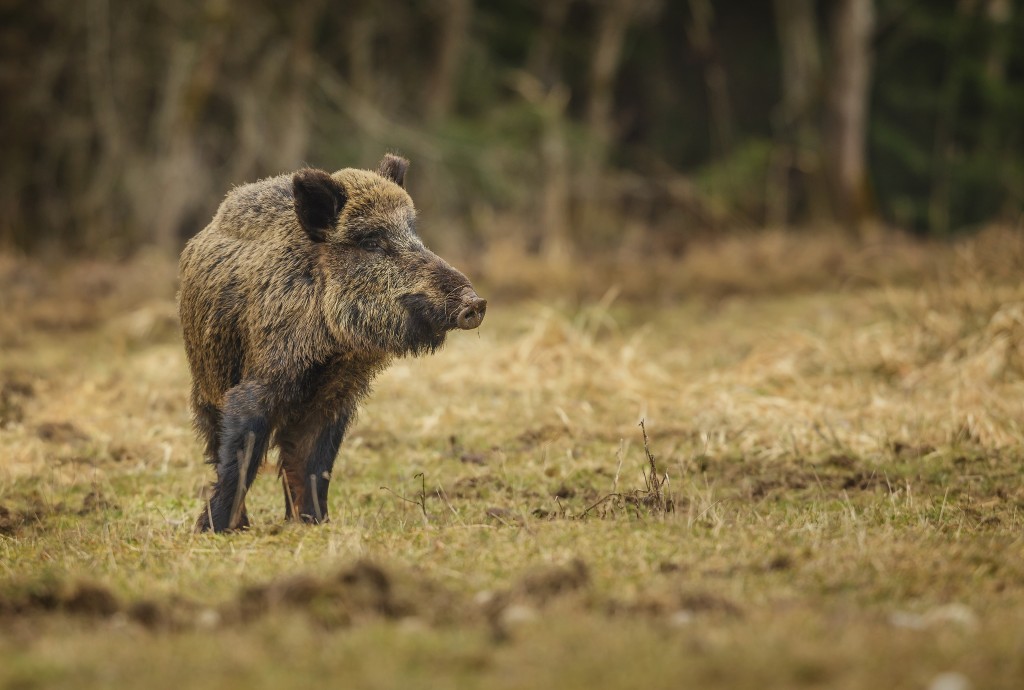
(844, 471)
(768, 262)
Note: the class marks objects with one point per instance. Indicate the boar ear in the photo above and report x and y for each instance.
(393, 168)
(318, 201)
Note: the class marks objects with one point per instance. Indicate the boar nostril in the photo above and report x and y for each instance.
(472, 313)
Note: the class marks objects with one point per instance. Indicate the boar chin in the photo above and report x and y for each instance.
(421, 341)
(425, 327)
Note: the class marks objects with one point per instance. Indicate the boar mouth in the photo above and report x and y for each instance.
(426, 325)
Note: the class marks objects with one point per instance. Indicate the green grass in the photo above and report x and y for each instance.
(844, 470)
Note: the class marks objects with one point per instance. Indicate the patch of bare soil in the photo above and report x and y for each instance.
(354, 595)
(87, 599)
(61, 432)
(16, 389)
(677, 606)
(360, 592)
(14, 518)
(545, 584)
(96, 501)
(836, 476)
(32, 510)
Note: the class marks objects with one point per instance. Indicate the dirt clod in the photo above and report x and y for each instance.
(89, 599)
(94, 502)
(15, 390)
(60, 432)
(564, 491)
(364, 590)
(13, 520)
(546, 583)
(780, 561)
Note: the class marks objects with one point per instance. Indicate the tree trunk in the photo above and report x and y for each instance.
(719, 104)
(557, 242)
(797, 152)
(542, 86)
(613, 21)
(361, 32)
(550, 103)
(801, 60)
(542, 62)
(455, 17)
(848, 110)
(179, 167)
(604, 65)
(295, 127)
(994, 131)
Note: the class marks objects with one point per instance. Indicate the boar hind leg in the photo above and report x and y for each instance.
(319, 466)
(307, 460)
(207, 421)
(244, 435)
(292, 471)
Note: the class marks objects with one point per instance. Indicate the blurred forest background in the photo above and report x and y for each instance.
(561, 126)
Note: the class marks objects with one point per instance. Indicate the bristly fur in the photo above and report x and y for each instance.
(301, 290)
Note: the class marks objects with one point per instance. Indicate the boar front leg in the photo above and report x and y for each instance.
(244, 435)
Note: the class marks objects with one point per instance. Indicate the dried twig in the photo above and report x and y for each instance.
(652, 497)
(654, 483)
(618, 467)
(603, 499)
(421, 502)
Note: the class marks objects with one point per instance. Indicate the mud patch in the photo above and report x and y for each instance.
(904, 449)
(13, 519)
(32, 510)
(531, 438)
(538, 589)
(15, 391)
(588, 502)
(61, 432)
(767, 481)
(544, 584)
(96, 502)
(360, 592)
(678, 607)
(468, 456)
(476, 487)
(86, 599)
(506, 516)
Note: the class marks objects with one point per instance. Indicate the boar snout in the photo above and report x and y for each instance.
(472, 311)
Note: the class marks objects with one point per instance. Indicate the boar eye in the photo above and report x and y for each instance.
(372, 244)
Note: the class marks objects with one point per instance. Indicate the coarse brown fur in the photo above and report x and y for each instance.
(300, 291)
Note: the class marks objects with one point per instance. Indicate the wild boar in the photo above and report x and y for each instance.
(301, 289)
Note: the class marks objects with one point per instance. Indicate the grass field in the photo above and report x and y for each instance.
(838, 498)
